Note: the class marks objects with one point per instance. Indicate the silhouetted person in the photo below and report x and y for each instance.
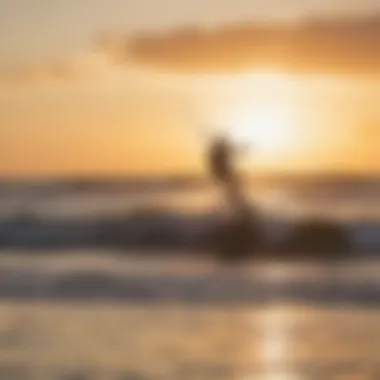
(235, 236)
(221, 156)
(220, 160)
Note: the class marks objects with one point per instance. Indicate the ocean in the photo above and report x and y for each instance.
(96, 313)
(87, 315)
(67, 211)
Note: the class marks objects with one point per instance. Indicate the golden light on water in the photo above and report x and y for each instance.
(275, 345)
(274, 340)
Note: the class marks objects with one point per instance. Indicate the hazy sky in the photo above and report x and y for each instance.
(33, 29)
(109, 118)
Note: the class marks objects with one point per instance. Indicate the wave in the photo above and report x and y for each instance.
(167, 229)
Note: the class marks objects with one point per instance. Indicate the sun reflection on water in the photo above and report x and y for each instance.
(275, 344)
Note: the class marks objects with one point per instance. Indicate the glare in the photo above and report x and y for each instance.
(261, 112)
(274, 327)
(274, 338)
(269, 130)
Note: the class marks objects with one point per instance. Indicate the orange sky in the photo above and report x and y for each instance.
(91, 115)
(109, 125)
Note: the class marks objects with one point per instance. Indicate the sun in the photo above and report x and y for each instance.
(267, 129)
(259, 111)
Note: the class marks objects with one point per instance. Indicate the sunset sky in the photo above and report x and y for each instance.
(105, 86)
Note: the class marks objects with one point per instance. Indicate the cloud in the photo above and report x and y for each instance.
(349, 46)
(87, 65)
(343, 46)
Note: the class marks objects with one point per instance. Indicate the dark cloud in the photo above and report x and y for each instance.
(337, 45)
